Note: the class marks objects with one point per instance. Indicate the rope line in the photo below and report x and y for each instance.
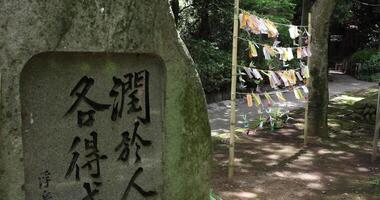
(367, 4)
(273, 92)
(261, 44)
(288, 25)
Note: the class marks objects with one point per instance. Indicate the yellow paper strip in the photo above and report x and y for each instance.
(257, 99)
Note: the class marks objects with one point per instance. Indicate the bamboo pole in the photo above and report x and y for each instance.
(307, 83)
(233, 91)
(377, 127)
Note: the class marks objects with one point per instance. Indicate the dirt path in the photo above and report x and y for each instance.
(219, 113)
(274, 166)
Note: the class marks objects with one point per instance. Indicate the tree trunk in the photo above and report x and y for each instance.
(204, 29)
(316, 110)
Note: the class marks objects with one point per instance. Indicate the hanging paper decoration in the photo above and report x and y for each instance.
(258, 25)
(273, 79)
(280, 97)
(290, 54)
(299, 76)
(309, 54)
(296, 94)
(300, 94)
(244, 17)
(272, 29)
(283, 78)
(305, 70)
(294, 32)
(299, 53)
(246, 122)
(248, 72)
(252, 50)
(253, 25)
(305, 89)
(269, 98)
(292, 77)
(257, 99)
(268, 52)
(257, 74)
(249, 100)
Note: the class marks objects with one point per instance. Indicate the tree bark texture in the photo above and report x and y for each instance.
(316, 110)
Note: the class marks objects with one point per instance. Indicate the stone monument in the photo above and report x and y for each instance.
(99, 100)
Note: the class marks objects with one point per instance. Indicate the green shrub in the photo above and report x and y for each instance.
(214, 196)
(213, 65)
(370, 70)
(363, 55)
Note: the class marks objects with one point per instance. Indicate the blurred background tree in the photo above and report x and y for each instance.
(206, 27)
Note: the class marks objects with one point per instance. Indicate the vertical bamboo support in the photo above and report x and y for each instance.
(233, 91)
(377, 127)
(308, 64)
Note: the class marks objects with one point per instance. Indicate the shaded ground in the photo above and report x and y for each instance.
(274, 165)
(219, 113)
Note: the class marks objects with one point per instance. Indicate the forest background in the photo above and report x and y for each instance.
(206, 28)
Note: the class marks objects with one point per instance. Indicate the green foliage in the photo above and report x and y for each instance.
(279, 10)
(370, 70)
(362, 56)
(351, 16)
(375, 182)
(213, 65)
(343, 12)
(214, 196)
(206, 26)
(276, 119)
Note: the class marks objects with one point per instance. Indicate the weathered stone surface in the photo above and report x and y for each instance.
(29, 28)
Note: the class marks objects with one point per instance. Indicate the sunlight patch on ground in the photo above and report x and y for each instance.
(363, 169)
(299, 125)
(315, 186)
(242, 195)
(324, 151)
(300, 176)
(345, 99)
(273, 157)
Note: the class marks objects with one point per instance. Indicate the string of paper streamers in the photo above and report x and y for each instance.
(278, 78)
(285, 53)
(281, 24)
(274, 45)
(257, 25)
(300, 93)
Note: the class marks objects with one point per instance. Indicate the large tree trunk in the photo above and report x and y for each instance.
(204, 29)
(316, 110)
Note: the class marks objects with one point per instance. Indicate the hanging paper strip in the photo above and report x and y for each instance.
(280, 97)
(283, 78)
(257, 99)
(306, 72)
(249, 100)
(294, 32)
(299, 76)
(296, 94)
(272, 29)
(305, 89)
(252, 50)
(269, 98)
(273, 79)
(300, 94)
(257, 74)
(244, 17)
(299, 53)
